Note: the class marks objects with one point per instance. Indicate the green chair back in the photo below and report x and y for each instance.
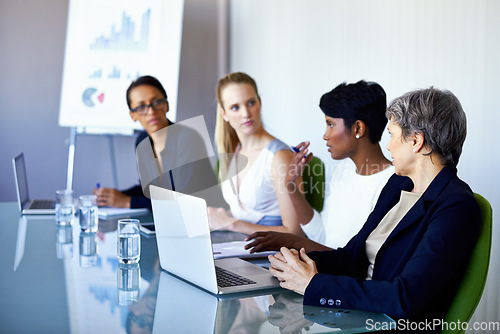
(471, 289)
(314, 183)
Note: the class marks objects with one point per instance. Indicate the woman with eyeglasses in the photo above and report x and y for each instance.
(173, 151)
(252, 164)
(148, 104)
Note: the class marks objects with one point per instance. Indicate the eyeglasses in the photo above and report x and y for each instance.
(157, 105)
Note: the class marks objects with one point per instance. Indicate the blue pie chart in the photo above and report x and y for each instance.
(87, 96)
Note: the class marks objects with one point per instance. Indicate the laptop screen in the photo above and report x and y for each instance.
(21, 180)
(183, 236)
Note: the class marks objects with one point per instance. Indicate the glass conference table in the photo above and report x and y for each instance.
(58, 280)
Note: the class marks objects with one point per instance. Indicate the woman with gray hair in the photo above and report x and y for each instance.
(409, 258)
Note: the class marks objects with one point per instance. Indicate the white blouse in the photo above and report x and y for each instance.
(380, 234)
(256, 197)
(349, 200)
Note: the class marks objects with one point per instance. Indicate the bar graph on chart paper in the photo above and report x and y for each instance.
(124, 38)
(108, 45)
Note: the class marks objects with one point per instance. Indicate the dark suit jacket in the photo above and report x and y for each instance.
(137, 198)
(194, 176)
(418, 269)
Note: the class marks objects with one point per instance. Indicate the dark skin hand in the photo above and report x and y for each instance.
(273, 241)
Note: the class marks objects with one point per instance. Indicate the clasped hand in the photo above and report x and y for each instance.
(293, 269)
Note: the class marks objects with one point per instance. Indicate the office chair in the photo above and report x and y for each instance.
(313, 178)
(470, 290)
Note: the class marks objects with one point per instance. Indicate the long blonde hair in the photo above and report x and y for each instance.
(225, 137)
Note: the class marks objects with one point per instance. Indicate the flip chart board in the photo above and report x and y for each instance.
(109, 43)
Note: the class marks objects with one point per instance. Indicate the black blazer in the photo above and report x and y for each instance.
(194, 174)
(137, 198)
(418, 268)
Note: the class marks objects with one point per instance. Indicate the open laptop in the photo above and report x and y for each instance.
(28, 206)
(185, 247)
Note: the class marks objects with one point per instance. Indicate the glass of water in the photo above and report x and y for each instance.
(129, 241)
(88, 213)
(64, 206)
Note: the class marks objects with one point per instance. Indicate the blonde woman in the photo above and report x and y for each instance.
(253, 164)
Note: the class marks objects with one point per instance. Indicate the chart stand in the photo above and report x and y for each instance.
(71, 159)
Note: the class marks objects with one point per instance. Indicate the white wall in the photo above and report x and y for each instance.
(297, 50)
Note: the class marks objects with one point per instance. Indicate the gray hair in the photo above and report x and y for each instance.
(438, 115)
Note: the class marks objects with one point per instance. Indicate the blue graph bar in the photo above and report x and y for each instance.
(96, 74)
(115, 73)
(124, 39)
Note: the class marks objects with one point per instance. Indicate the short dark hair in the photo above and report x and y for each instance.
(145, 80)
(438, 115)
(364, 101)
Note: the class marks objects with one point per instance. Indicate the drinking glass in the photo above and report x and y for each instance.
(88, 213)
(64, 206)
(129, 241)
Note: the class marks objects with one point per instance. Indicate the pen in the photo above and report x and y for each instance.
(172, 180)
(296, 150)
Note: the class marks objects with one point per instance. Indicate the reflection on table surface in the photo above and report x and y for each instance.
(62, 280)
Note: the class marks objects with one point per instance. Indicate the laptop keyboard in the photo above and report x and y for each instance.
(42, 204)
(226, 278)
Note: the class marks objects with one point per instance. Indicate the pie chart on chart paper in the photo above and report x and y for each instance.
(107, 48)
(91, 97)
